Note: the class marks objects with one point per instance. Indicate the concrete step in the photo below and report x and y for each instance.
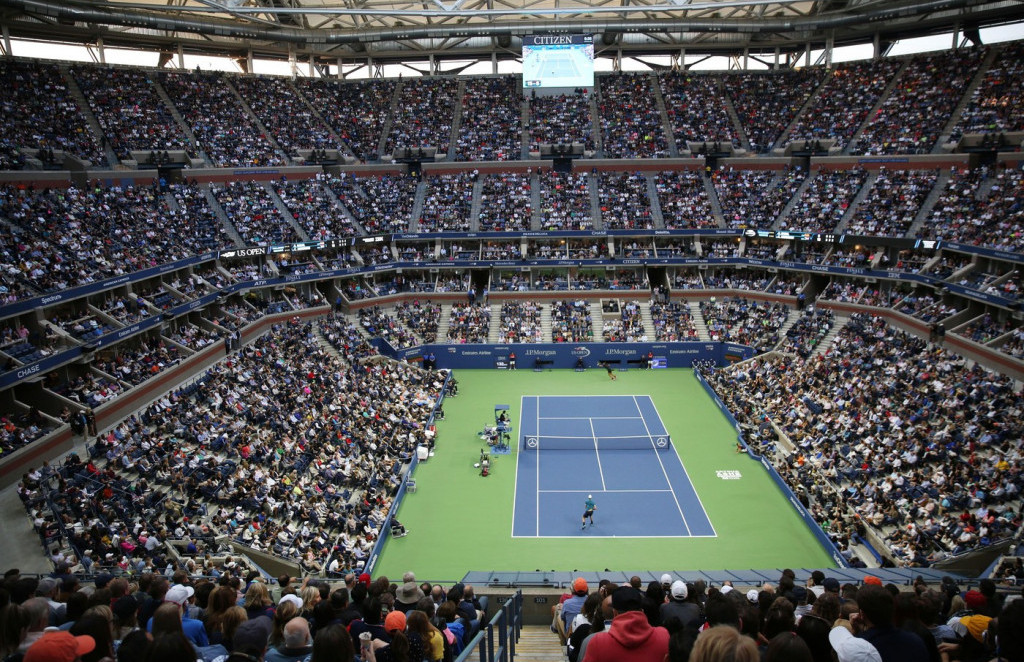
(90, 118)
(247, 109)
(537, 643)
(385, 130)
(954, 117)
(733, 115)
(852, 146)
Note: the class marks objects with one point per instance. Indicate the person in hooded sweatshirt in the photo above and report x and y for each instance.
(630, 637)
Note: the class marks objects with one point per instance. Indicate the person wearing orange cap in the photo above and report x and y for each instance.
(401, 645)
(574, 605)
(59, 646)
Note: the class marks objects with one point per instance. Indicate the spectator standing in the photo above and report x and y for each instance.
(630, 637)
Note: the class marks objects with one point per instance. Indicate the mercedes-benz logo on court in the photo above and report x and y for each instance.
(531, 442)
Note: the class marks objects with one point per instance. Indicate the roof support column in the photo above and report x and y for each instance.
(777, 52)
(830, 42)
(181, 57)
(7, 42)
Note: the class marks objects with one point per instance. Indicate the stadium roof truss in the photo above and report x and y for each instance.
(325, 32)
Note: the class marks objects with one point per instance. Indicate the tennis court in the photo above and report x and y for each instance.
(614, 447)
(459, 520)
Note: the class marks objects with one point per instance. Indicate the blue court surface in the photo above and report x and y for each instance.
(614, 447)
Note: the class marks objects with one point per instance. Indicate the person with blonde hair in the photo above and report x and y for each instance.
(257, 601)
(724, 643)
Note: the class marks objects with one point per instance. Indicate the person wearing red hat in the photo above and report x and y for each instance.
(59, 646)
(975, 600)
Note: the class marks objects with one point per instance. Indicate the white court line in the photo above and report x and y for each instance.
(683, 465)
(603, 491)
(580, 418)
(598, 453)
(515, 485)
(663, 471)
(586, 536)
(537, 427)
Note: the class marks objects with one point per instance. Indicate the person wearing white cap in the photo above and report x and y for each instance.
(666, 582)
(678, 607)
(195, 631)
(849, 648)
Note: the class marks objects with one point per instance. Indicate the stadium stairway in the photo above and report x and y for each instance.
(494, 332)
(810, 102)
(215, 207)
(524, 121)
(597, 317)
(851, 211)
(657, 215)
(417, 207)
(799, 193)
(385, 130)
(733, 115)
(328, 347)
(954, 117)
(716, 207)
(545, 322)
(457, 113)
(666, 125)
(341, 206)
(537, 643)
(171, 202)
(700, 323)
(826, 342)
(247, 109)
(647, 319)
(443, 324)
(162, 93)
(941, 182)
(341, 144)
(21, 547)
(874, 109)
(286, 213)
(595, 124)
(475, 203)
(535, 201)
(90, 118)
(593, 184)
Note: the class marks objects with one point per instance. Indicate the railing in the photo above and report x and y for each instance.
(497, 640)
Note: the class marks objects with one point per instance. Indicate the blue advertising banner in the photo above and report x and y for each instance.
(622, 356)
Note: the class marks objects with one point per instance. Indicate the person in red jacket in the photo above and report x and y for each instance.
(630, 637)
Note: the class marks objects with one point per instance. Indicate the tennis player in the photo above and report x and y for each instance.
(588, 513)
(611, 373)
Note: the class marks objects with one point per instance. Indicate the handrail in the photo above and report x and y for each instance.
(508, 623)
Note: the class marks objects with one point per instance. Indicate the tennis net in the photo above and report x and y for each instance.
(638, 442)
